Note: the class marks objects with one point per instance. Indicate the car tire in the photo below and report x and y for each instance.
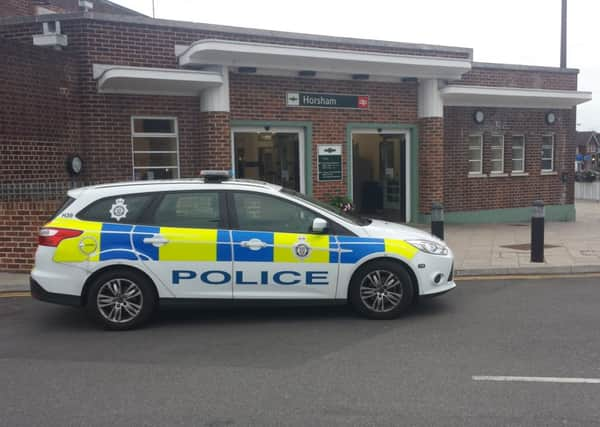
(121, 299)
(381, 290)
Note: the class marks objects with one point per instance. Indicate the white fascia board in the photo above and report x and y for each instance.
(284, 57)
(508, 97)
(153, 81)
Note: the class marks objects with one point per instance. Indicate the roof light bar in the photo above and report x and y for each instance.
(215, 175)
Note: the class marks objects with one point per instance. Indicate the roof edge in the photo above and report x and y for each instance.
(126, 9)
(144, 20)
(521, 67)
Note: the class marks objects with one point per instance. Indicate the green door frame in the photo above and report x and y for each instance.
(307, 126)
(414, 159)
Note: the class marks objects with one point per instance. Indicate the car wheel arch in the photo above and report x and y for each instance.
(103, 270)
(403, 264)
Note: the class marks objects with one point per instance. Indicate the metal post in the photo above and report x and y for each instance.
(537, 232)
(437, 220)
(563, 36)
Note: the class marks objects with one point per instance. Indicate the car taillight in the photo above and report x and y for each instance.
(53, 236)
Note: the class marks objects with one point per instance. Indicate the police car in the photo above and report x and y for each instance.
(122, 250)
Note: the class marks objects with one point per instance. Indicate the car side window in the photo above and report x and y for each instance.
(260, 212)
(189, 209)
(123, 209)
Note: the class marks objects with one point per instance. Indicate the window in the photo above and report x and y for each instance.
(125, 209)
(547, 153)
(497, 153)
(518, 153)
(155, 148)
(189, 209)
(259, 212)
(475, 152)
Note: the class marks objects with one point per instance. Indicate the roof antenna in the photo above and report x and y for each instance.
(563, 36)
(153, 10)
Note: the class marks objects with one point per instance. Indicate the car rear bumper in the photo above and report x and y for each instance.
(41, 294)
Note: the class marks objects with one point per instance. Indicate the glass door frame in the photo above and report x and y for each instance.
(387, 131)
(274, 129)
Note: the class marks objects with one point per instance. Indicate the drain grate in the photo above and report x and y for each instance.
(526, 246)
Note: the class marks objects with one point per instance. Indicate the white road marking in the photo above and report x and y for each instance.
(563, 380)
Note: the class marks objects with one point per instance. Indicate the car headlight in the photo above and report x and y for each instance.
(429, 246)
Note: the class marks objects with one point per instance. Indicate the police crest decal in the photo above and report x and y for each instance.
(119, 210)
(301, 248)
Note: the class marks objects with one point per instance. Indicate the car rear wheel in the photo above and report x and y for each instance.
(381, 290)
(121, 299)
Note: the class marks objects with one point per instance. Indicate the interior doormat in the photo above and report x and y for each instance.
(526, 246)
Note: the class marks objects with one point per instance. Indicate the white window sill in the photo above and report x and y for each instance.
(519, 174)
(477, 175)
(497, 174)
(548, 173)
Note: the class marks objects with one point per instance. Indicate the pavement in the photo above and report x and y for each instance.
(489, 249)
(314, 366)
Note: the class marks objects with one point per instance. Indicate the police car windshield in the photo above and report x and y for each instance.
(333, 210)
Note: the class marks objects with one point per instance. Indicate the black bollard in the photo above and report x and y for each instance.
(437, 220)
(537, 232)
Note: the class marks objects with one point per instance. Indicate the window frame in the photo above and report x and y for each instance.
(551, 135)
(480, 136)
(175, 135)
(333, 229)
(512, 158)
(147, 217)
(502, 151)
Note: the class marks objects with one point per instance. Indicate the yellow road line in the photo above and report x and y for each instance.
(528, 277)
(15, 294)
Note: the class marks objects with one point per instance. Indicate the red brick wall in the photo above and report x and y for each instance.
(536, 79)
(263, 98)
(19, 226)
(463, 193)
(27, 7)
(106, 130)
(431, 162)
(39, 118)
(214, 148)
(15, 8)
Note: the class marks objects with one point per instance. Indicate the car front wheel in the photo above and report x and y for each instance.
(381, 290)
(121, 299)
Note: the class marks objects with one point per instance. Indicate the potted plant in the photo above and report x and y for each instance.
(344, 204)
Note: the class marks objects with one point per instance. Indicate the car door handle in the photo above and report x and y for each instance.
(156, 240)
(253, 244)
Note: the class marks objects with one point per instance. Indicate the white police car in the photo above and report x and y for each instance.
(121, 250)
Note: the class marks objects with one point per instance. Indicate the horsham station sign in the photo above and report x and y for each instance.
(327, 100)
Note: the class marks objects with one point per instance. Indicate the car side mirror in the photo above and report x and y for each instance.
(319, 225)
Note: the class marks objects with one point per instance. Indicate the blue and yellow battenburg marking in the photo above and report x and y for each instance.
(104, 242)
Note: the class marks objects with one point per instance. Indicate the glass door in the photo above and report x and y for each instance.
(380, 174)
(271, 155)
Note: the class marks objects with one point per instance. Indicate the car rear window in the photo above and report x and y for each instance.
(124, 209)
(68, 201)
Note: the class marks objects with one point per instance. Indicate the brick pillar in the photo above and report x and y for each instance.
(431, 162)
(215, 141)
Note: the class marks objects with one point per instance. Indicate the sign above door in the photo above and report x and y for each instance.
(327, 100)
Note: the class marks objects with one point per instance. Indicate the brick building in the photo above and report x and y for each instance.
(392, 126)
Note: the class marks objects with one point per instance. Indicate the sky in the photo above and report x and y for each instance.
(506, 31)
